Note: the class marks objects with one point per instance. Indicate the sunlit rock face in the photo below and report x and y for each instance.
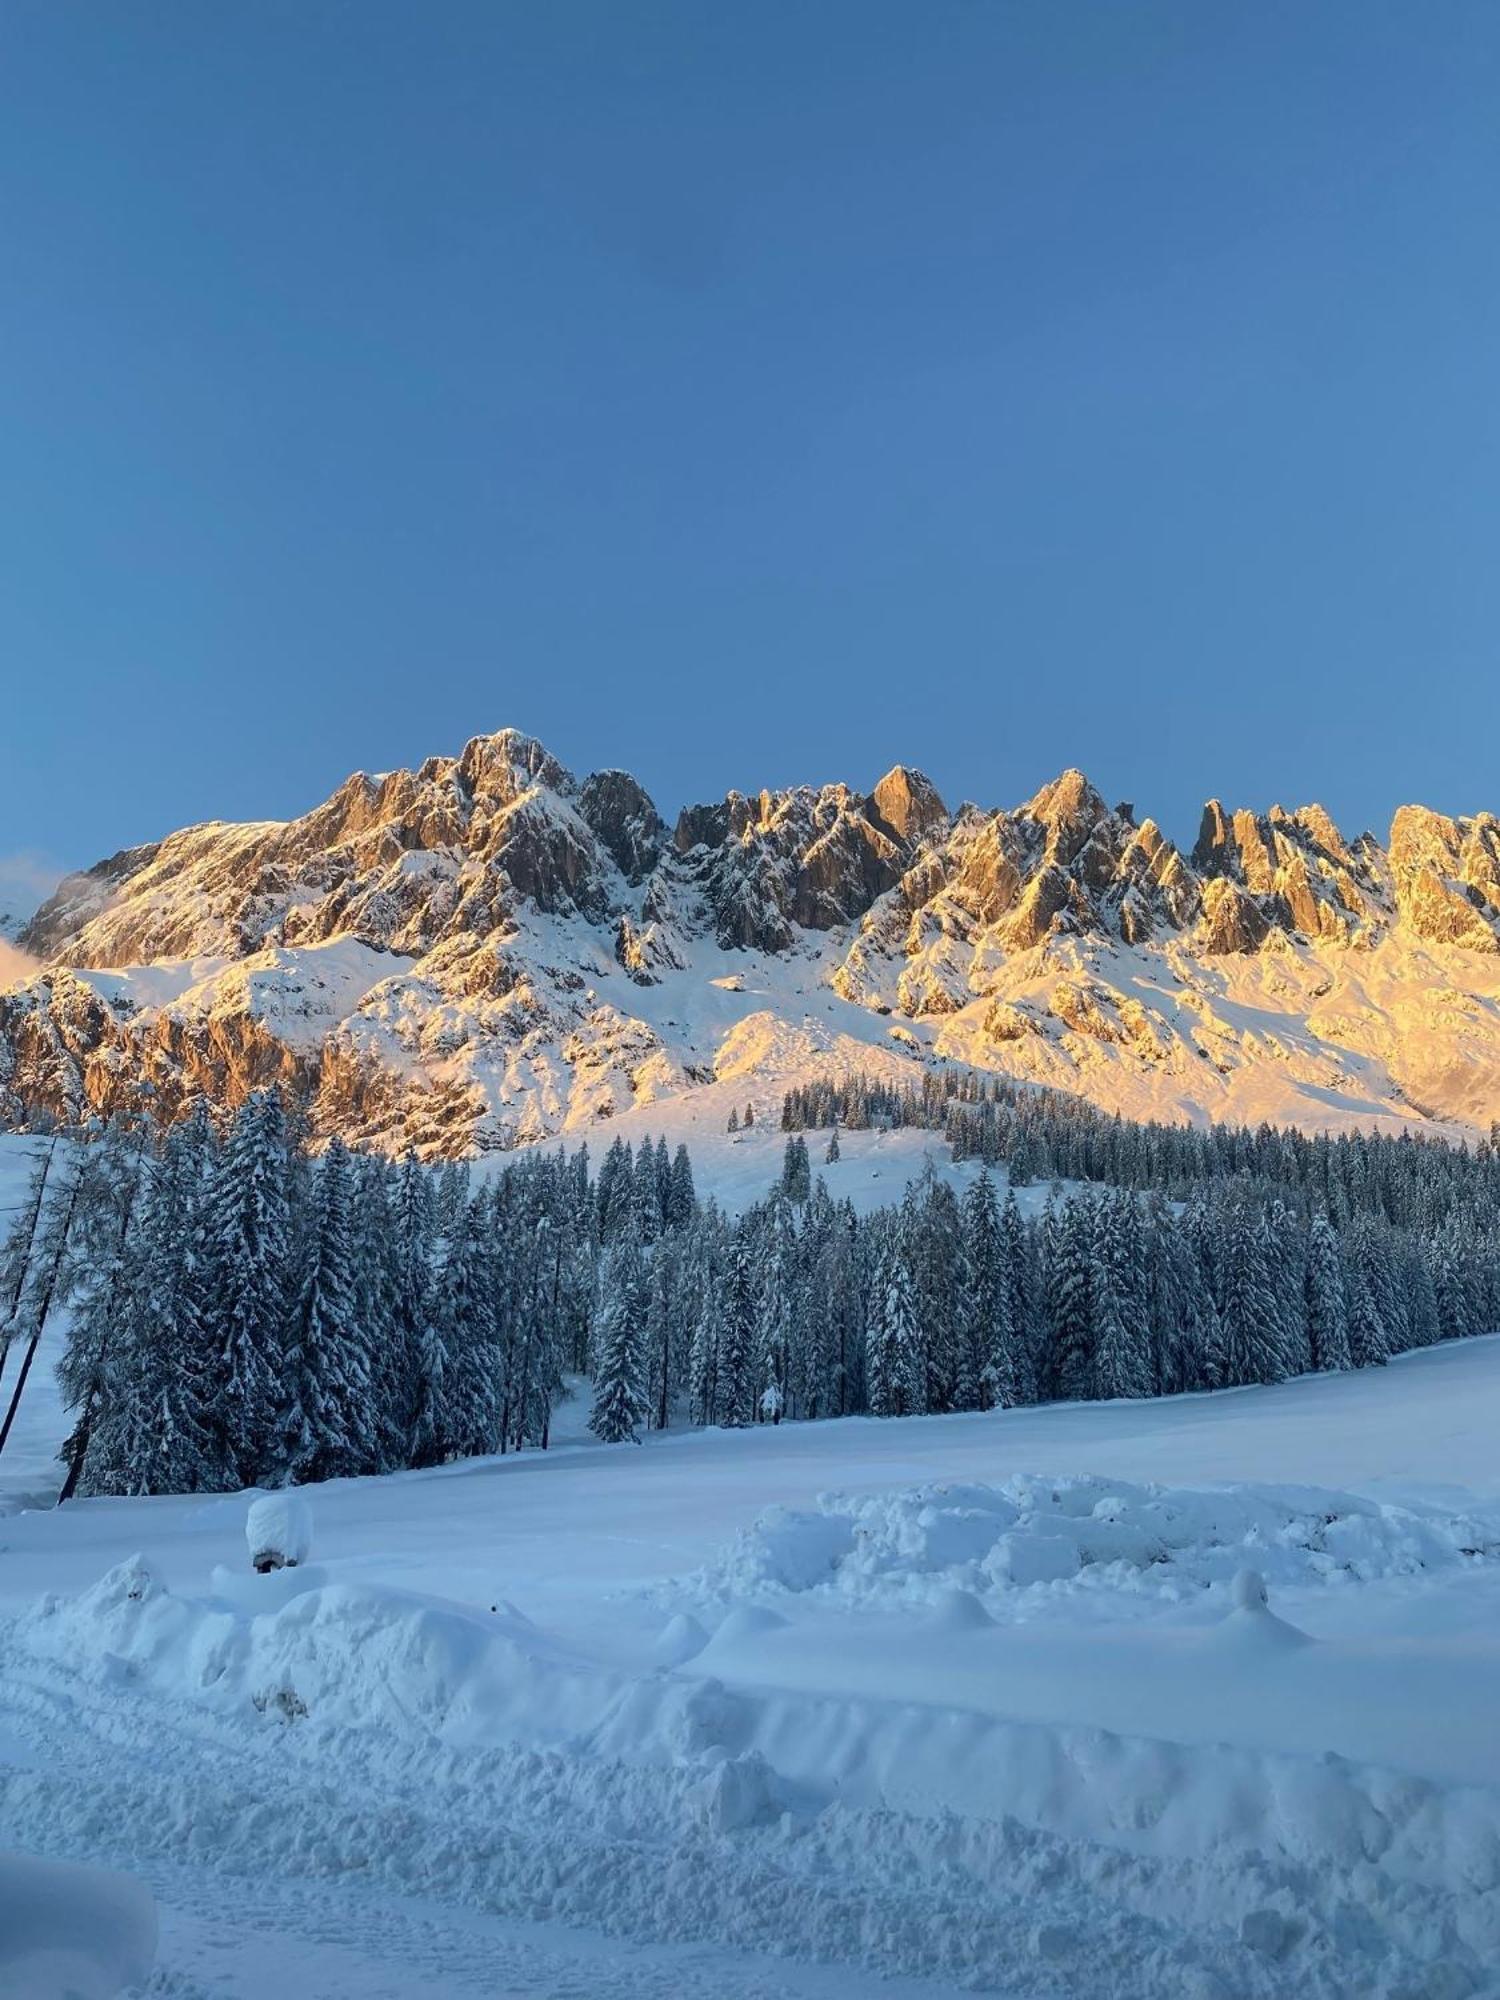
(487, 950)
(1447, 877)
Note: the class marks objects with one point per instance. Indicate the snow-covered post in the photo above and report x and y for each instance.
(278, 1530)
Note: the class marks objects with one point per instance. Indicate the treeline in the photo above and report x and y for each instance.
(1038, 1134)
(964, 1302)
(241, 1312)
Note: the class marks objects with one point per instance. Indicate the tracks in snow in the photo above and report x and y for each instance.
(402, 1864)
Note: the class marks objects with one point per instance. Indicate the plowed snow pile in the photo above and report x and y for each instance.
(1032, 1543)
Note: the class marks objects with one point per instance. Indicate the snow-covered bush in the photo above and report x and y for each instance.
(278, 1530)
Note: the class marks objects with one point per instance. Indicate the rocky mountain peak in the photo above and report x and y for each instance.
(500, 767)
(1071, 810)
(623, 817)
(907, 805)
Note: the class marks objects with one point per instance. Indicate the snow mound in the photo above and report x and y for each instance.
(1251, 1622)
(70, 1933)
(292, 1645)
(1030, 1541)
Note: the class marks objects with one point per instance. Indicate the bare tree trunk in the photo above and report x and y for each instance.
(45, 1307)
(78, 1444)
(23, 1268)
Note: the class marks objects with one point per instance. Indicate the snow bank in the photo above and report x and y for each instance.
(70, 1933)
(843, 1733)
(292, 1645)
(708, 1800)
(1032, 1543)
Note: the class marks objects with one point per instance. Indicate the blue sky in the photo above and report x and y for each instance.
(747, 394)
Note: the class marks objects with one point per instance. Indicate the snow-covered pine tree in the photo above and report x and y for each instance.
(118, 1172)
(1249, 1310)
(620, 1407)
(1327, 1304)
(536, 1373)
(614, 1193)
(647, 1220)
(895, 1372)
(734, 1383)
(1121, 1356)
(659, 1304)
(468, 1312)
(326, 1422)
(20, 1242)
(377, 1299)
(1070, 1234)
(1285, 1244)
(703, 1358)
(250, 1281)
(1369, 1337)
(989, 1376)
(682, 1199)
(775, 1311)
(1183, 1320)
(1020, 1260)
(156, 1428)
(932, 1234)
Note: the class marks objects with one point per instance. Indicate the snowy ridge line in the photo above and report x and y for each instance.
(487, 951)
(671, 1806)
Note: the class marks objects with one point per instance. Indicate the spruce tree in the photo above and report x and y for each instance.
(734, 1385)
(251, 1278)
(1249, 1311)
(94, 1325)
(1121, 1355)
(157, 1427)
(326, 1422)
(467, 1315)
(1327, 1304)
(619, 1407)
(894, 1368)
(1369, 1342)
(990, 1375)
(1070, 1351)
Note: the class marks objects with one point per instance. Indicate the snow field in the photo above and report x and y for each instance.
(840, 1730)
(69, 1933)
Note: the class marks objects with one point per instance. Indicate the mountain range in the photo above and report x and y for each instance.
(487, 950)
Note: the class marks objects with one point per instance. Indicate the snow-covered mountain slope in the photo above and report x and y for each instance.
(487, 950)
